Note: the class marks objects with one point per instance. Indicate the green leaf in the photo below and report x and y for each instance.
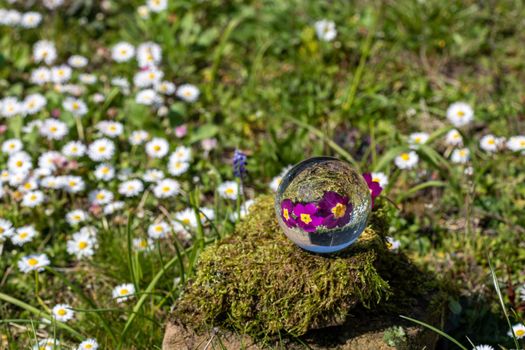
(205, 132)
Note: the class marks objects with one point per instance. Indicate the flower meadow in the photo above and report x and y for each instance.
(134, 134)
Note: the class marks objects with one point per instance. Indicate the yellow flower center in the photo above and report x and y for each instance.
(105, 170)
(339, 210)
(165, 189)
(72, 183)
(417, 140)
(76, 106)
(461, 114)
(306, 218)
(100, 196)
(520, 333)
(82, 245)
(229, 191)
(522, 143)
(27, 186)
(88, 346)
(101, 149)
(389, 245)
(33, 197)
(286, 214)
(24, 235)
(19, 163)
(405, 156)
(158, 228)
(76, 217)
(32, 261)
(186, 221)
(156, 148)
(1, 230)
(124, 291)
(61, 312)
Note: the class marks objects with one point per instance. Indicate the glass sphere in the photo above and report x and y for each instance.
(323, 204)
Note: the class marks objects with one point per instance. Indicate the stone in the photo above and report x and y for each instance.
(255, 289)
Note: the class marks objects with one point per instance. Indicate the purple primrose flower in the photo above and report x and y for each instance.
(335, 209)
(286, 213)
(307, 216)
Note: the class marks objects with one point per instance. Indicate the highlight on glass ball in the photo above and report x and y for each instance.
(323, 204)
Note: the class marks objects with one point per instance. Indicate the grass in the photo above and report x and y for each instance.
(270, 87)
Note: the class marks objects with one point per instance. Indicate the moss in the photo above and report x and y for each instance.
(259, 283)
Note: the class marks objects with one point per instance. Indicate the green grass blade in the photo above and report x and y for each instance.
(40, 313)
(434, 329)
(502, 303)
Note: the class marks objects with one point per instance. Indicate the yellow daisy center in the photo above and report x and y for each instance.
(24, 235)
(520, 333)
(124, 291)
(156, 148)
(61, 312)
(165, 189)
(19, 163)
(32, 261)
(82, 245)
(229, 191)
(405, 156)
(461, 114)
(100, 196)
(186, 221)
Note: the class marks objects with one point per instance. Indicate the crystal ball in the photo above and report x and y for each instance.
(323, 204)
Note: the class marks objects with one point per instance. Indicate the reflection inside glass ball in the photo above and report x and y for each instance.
(323, 204)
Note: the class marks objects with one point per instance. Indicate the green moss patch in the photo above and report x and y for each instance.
(257, 282)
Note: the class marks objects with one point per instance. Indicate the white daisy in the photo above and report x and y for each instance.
(157, 5)
(35, 262)
(138, 137)
(244, 210)
(34, 103)
(131, 188)
(51, 160)
(10, 106)
(88, 344)
(165, 87)
(77, 107)
(100, 197)
(12, 146)
(483, 347)
(32, 199)
(166, 188)
(176, 167)
(6, 229)
(53, 129)
(147, 97)
(181, 154)
(516, 143)
(82, 245)
(77, 61)
(153, 175)
(76, 217)
(417, 138)
(158, 230)
(123, 292)
(188, 93)
(113, 207)
(392, 244)
(88, 79)
(381, 178)
(63, 312)
(44, 51)
(47, 344)
(23, 235)
(101, 149)
(74, 149)
(489, 143)
(157, 148)
(31, 19)
(147, 78)
(149, 54)
(72, 184)
(325, 30)
(104, 172)
(61, 74)
(406, 160)
(460, 114)
(460, 156)
(110, 128)
(122, 52)
(40, 76)
(143, 244)
(228, 190)
(19, 162)
(454, 138)
(519, 331)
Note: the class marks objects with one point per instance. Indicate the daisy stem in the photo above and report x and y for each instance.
(80, 128)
